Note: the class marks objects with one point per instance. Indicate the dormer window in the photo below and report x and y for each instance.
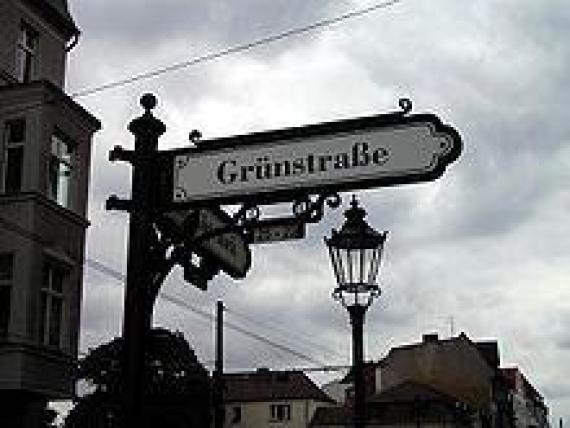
(60, 170)
(26, 53)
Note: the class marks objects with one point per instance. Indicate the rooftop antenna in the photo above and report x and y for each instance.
(451, 326)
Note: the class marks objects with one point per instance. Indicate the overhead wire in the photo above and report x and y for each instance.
(179, 302)
(174, 67)
(118, 276)
(214, 55)
(235, 49)
(277, 327)
(102, 268)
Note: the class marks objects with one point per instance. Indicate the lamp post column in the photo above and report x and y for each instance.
(356, 313)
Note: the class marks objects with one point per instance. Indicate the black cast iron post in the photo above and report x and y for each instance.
(357, 313)
(219, 368)
(355, 252)
(140, 293)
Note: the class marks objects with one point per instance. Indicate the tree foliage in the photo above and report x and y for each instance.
(177, 388)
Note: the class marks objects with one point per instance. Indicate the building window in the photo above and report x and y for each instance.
(6, 277)
(60, 170)
(51, 304)
(235, 415)
(13, 156)
(26, 53)
(280, 412)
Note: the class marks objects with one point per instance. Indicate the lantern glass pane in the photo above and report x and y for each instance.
(360, 265)
(355, 263)
(367, 260)
(337, 265)
(374, 265)
(369, 265)
(347, 265)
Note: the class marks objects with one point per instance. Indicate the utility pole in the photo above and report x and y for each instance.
(219, 367)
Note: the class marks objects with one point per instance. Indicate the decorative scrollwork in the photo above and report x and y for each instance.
(306, 209)
(247, 214)
(333, 201)
(310, 208)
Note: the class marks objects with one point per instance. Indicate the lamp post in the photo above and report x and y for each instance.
(355, 253)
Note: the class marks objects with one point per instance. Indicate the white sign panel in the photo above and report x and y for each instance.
(351, 159)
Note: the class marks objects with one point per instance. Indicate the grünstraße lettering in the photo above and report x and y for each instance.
(264, 168)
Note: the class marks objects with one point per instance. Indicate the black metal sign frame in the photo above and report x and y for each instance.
(263, 139)
(153, 252)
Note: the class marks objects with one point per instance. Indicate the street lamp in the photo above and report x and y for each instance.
(355, 253)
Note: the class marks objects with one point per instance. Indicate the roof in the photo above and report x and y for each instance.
(488, 350)
(399, 405)
(266, 385)
(60, 6)
(396, 414)
(412, 391)
(510, 374)
(331, 416)
(57, 11)
(368, 368)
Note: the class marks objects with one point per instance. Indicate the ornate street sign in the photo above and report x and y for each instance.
(273, 166)
(277, 229)
(211, 233)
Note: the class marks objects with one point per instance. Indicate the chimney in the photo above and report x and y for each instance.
(430, 338)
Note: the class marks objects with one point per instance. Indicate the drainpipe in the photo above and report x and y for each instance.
(73, 42)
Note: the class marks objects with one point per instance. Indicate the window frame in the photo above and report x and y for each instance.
(7, 283)
(61, 163)
(49, 297)
(13, 145)
(236, 415)
(274, 410)
(26, 53)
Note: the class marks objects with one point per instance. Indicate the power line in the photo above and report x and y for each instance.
(118, 276)
(235, 49)
(325, 369)
(275, 326)
(238, 328)
(179, 302)
(97, 265)
(215, 55)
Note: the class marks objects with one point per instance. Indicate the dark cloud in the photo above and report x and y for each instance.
(487, 244)
(141, 25)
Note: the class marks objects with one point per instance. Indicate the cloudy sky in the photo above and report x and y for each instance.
(482, 250)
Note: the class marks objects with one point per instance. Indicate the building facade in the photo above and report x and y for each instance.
(271, 399)
(526, 404)
(454, 366)
(444, 382)
(45, 146)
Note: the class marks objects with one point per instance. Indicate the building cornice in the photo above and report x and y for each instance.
(47, 203)
(45, 93)
(60, 19)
